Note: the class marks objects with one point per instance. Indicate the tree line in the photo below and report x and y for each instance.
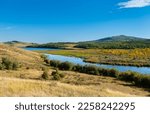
(114, 45)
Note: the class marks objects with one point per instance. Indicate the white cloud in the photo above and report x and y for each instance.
(134, 4)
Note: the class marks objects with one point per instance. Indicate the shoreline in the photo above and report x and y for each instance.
(85, 59)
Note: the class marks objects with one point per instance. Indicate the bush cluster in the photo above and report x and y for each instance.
(8, 64)
(45, 58)
(133, 77)
(45, 74)
(54, 63)
(89, 69)
(136, 78)
(56, 75)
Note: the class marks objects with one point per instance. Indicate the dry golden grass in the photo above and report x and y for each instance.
(21, 87)
(26, 58)
(22, 73)
(74, 84)
(17, 44)
(28, 82)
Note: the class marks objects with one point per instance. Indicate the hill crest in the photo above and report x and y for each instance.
(120, 38)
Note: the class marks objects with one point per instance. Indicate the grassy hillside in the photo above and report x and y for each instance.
(27, 80)
(116, 42)
(18, 43)
(74, 84)
(25, 58)
(120, 38)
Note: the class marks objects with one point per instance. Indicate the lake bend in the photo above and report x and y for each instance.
(80, 61)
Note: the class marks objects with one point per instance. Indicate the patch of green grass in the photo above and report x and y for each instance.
(130, 57)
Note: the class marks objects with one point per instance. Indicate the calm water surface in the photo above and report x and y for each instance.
(75, 60)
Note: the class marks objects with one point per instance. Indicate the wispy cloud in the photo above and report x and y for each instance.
(134, 4)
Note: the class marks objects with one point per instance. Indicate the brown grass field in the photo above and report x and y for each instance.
(28, 82)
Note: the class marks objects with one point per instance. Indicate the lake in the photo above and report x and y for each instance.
(75, 60)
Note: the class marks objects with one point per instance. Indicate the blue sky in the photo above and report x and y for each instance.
(72, 20)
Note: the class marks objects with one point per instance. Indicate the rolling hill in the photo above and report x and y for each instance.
(120, 38)
(113, 42)
(116, 42)
(18, 43)
(24, 57)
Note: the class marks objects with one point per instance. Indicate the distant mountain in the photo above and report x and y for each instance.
(116, 42)
(120, 38)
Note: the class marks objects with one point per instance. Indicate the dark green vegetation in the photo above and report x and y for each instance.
(120, 38)
(137, 79)
(59, 45)
(45, 74)
(56, 75)
(116, 42)
(8, 64)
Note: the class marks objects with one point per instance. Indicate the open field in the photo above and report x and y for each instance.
(74, 84)
(131, 57)
(27, 79)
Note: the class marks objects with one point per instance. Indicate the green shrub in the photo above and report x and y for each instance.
(47, 61)
(45, 58)
(103, 72)
(108, 72)
(142, 81)
(9, 64)
(2, 66)
(78, 68)
(54, 63)
(145, 81)
(56, 75)
(45, 74)
(89, 69)
(15, 65)
(127, 76)
(65, 66)
(136, 78)
(61, 75)
(113, 73)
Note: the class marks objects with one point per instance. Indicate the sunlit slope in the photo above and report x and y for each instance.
(26, 58)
